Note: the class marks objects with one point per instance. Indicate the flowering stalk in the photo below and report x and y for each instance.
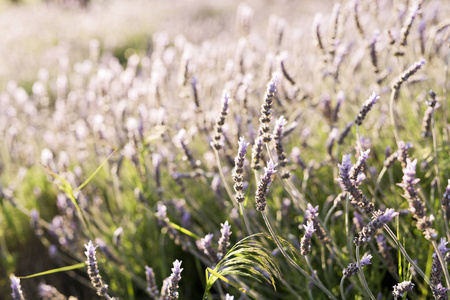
(395, 88)
(208, 248)
(174, 279)
(266, 110)
(353, 268)
(312, 215)
(221, 120)
(16, 288)
(278, 134)
(366, 107)
(238, 170)
(416, 206)
(93, 272)
(305, 243)
(263, 186)
(400, 289)
(357, 198)
(152, 288)
(224, 240)
(380, 219)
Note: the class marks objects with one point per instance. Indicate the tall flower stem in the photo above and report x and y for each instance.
(341, 286)
(393, 98)
(222, 176)
(247, 224)
(289, 187)
(291, 261)
(361, 275)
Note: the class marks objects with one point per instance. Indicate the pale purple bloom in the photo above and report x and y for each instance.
(224, 239)
(152, 288)
(92, 271)
(279, 127)
(309, 229)
(16, 288)
(228, 297)
(172, 287)
(365, 260)
(311, 212)
(401, 288)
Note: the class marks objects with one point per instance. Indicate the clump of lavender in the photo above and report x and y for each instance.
(401, 288)
(312, 215)
(266, 110)
(368, 231)
(174, 279)
(263, 186)
(152, 288)
(366, 107)
(278, 134)
(238, 170)
(221, 120)
(16, 288)
(224, 240)
(357, 198)
(384, 248)
(353, 268)
(416, 206)
(92, 271)
(305, 243)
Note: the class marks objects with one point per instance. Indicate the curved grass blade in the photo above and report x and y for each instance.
(248, 258)
(48, 272)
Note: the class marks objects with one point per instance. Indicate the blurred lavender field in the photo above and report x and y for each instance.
(286, 149)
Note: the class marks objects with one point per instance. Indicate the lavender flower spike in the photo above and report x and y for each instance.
(305, 244)
(224, 240)
(16, 289)
(401, 288)
(152, 288)
(239, 169)
(263, 186)
(365, 235)
(93, 272)
(174, 280)
(353, 268)
(367, 106)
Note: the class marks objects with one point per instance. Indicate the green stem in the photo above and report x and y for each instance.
(361, 275)
(402, 249)
(292, 262)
